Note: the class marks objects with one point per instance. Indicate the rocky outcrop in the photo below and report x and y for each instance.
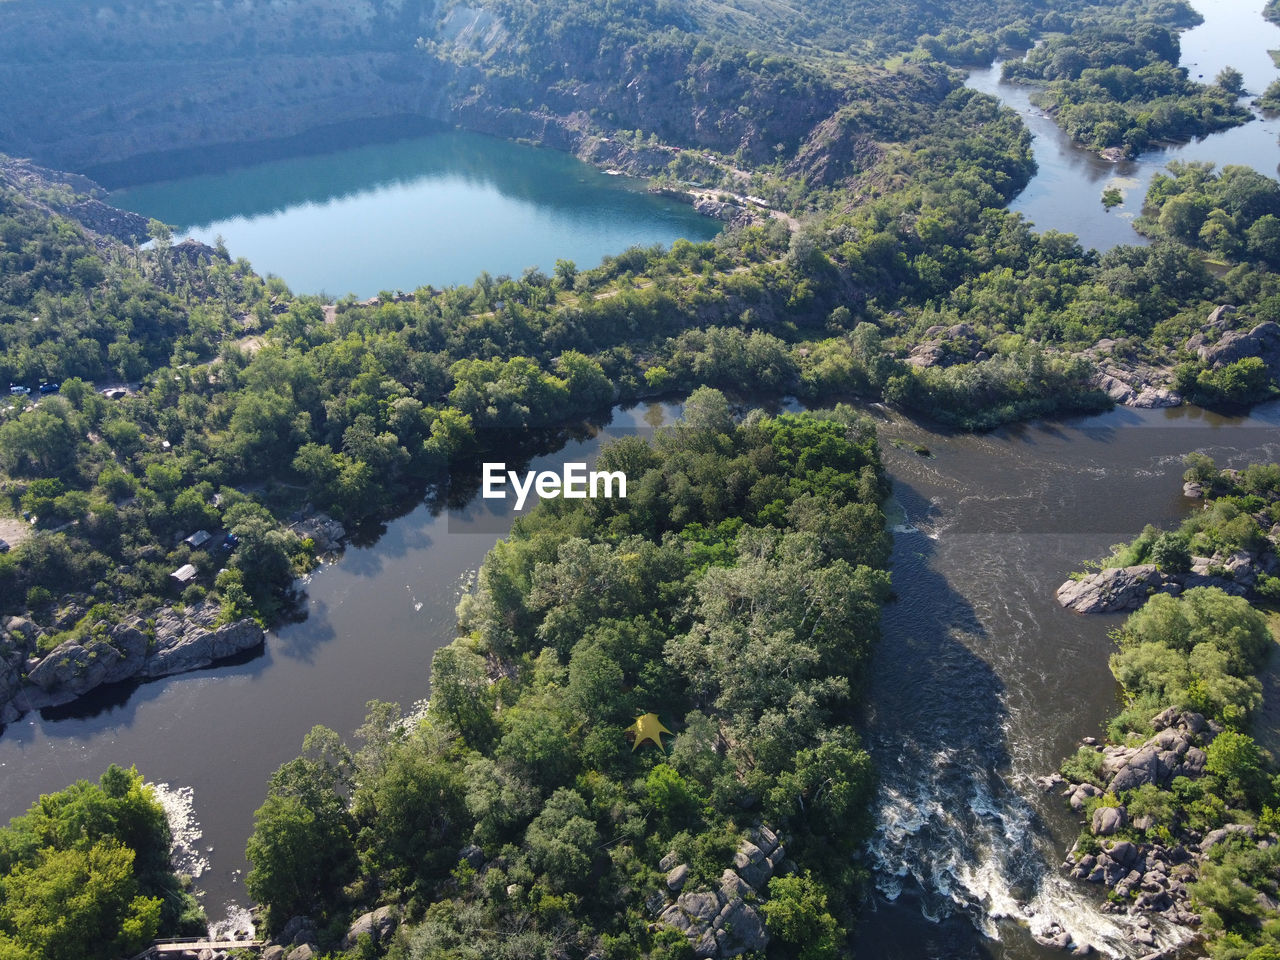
(169, 643)
(1130, 382)
(1119, 589)
(1112, 590)
(73, 196)
(1147, 875)
(1229, 346)
(326, 533)
(725, 922)
(378, 925)
(945, 346)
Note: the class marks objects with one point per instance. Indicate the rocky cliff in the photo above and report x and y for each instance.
(171, 641)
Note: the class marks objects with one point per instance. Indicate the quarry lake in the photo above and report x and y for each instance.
(435, 209)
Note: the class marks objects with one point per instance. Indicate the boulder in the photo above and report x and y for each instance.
(303, 951)
(1107, 820)
(700, 906)
(732, 886)
(1217, 836)
(472, 855)
(1112, 590)
(22, 627)
(741, 931)
(669, 861)
(1143, 767)
(378, 924)
(677, 876)
(273, 952)
(1233, 345)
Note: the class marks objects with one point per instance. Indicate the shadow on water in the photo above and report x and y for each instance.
(264, 180)
(935, 729)
(121, 701)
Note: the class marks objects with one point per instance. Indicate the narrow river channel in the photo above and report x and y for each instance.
(1066, 192)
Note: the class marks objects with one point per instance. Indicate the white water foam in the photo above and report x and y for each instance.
(236, 925)
(188, 861)
(179, 809)
(980, 855)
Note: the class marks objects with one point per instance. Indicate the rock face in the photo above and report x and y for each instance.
(1129, 382)
(170, 643)
(725, 922)
(378, 925)
(1111, 590)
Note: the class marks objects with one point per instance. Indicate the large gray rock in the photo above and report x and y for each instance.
(1107, 820)
(1217, 836)
(700, 906)
(1111, 590)
(71, 669)
(1145, 766)
(741, 930)
(377, 924)
(678, 876)
(183, 645)
(1261, 341)
(22, 627)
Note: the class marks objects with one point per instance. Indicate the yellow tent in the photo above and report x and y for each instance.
(649, 727)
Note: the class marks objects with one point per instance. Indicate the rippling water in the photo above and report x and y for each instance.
(982, 682)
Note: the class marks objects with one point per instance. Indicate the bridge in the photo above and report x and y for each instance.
(176, 947)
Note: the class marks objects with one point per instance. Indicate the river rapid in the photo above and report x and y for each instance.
(982, 682)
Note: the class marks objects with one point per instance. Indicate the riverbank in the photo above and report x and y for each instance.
(1179, 798)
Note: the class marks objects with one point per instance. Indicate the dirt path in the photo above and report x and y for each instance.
(13, 530)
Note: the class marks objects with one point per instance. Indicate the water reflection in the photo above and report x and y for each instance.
(437, 209)
(1066, 192)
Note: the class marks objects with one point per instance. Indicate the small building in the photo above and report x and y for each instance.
(184, 575)
(197, 539)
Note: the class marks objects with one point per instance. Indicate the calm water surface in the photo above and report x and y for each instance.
(1066, 192)
(374, 619)
(437, 209)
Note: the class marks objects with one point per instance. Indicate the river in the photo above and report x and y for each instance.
(373, 620)
(982, 682)
(1066, 192)
(435, 209)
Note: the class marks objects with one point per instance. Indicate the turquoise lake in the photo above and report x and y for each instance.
(435, 209)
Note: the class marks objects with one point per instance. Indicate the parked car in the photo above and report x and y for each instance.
(18, 391)
(50, 387)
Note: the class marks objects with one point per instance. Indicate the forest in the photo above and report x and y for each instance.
(735, 594)
(183, 392)
(85, 874)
